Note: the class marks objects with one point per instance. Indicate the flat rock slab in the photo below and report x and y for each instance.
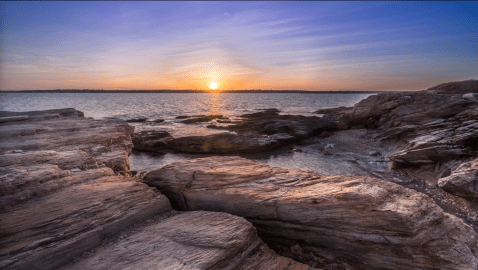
(366, 222)
(101, 142)
(190, 240)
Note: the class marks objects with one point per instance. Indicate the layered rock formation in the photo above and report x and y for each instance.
(62, 194)
(365, 222)
(192, 240)
(431, 127)
(59, 193)
(463, 180)
(425, 134)
(463, 87)
(256, 132)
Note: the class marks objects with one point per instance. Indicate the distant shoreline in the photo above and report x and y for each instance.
(193, 91)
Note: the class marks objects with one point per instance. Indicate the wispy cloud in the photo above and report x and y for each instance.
(279, 45)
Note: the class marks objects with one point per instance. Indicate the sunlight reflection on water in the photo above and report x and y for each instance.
(168, 106)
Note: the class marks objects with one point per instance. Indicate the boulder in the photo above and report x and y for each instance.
(463, 180)
(151, 141)
(191, 240)
(365, 222)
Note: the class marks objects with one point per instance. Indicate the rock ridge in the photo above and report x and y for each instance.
(364, 222)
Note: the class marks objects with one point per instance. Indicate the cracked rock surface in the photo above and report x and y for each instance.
(364, 222)
(191, 240)
(63, 194)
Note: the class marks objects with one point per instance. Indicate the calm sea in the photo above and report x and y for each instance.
(168, 106)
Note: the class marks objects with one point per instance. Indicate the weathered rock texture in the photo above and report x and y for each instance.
(431, 127)
(51, 134)
(256, 132)
(365, 222)
(191, 240)
(52, 230)
(59, 195)
(463, 87)
(463, 181)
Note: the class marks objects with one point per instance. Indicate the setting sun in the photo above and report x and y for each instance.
(213, 85)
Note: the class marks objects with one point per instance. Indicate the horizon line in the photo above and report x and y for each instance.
(196, 91)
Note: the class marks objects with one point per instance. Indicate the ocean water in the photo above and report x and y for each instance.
(168, 106)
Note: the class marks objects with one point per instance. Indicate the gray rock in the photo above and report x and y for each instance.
(13, 118)
(257, 132)
(470, 96)
(427, 155)
(463, 181)
(135, 120)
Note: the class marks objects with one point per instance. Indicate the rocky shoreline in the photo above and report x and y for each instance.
(398, 191)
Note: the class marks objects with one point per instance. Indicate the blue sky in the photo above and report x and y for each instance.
(240, 45)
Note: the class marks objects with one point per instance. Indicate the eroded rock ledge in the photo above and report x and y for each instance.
(256, 132)
(365, 222)
(63, 193)
(433, 132)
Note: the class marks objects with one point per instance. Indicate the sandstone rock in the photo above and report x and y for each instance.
(463, 181)
(191, 240)
(365, 222)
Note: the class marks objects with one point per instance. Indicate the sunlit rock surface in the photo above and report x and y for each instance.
(60, 190)
(63, 195)
(365, 222)
(191, 240)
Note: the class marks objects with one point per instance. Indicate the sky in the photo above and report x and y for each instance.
(315, 45)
